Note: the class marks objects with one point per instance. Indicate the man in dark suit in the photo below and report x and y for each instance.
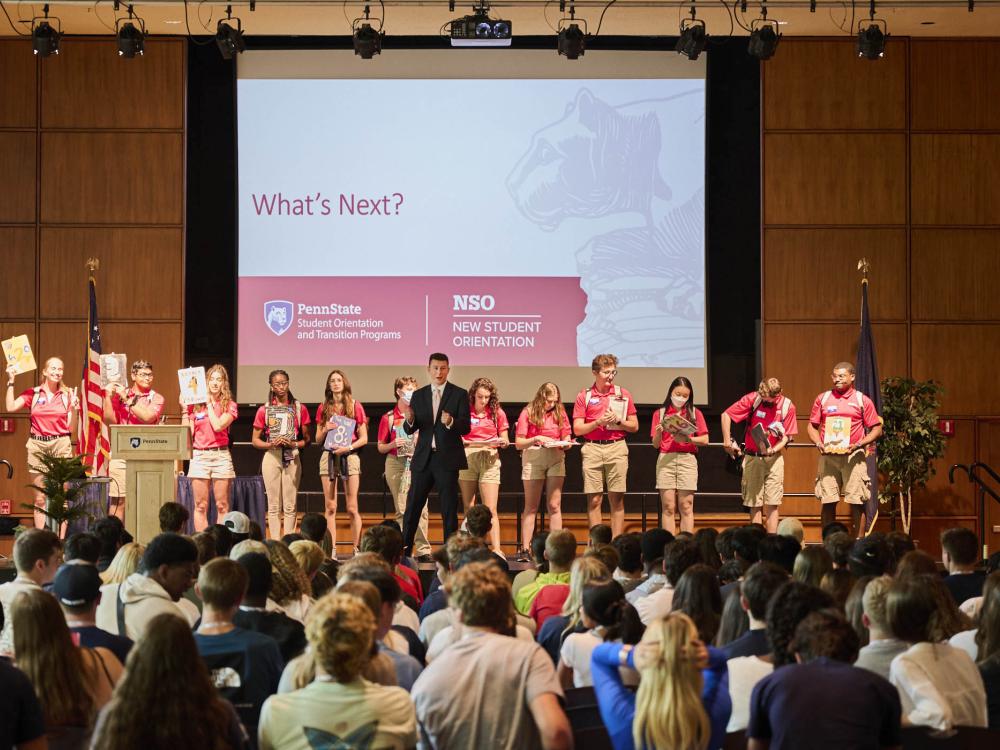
(440, 412)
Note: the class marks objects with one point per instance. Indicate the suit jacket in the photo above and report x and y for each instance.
(450, 453)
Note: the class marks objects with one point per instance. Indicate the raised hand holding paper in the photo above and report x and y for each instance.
(17, 352)
(113, 369)
(194, 386)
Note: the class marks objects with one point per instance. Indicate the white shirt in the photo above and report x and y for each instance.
(655, 582)
(939, 686)
(406, 617)
(656, 605)
(744, 673)
(966, 640)
(8, 593)
(575, 654)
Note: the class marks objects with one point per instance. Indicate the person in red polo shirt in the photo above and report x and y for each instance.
(487, 434)
(602, 415)
(766, 412)
(842, 424)
(53, 408)
(676, 465)
(139, 404)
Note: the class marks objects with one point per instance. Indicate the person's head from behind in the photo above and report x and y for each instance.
(110, 530)
(920, 608)
(838, 584)
(308, 555)
(746, 545)
(48, 656)
(77, 588)
(959, 549)
(706, 539)
(916, 563)
(341, 630)
(607, 553)
(585, 570)
(221, 586)
(172, 561)
(988, 630)
(629, 550)
(604, 607)
(560, 549)
(289, 539)
(734, 621)
(125, 562)
(873, 604)
(653, 542)
(173, 517)
(668, 708)
(246, 547)
(313, 527)
(811, 564)
(538, 550)
(759, 584)
(730, 572)
(870, 556)
(480, 592)
(780, 550)
(82, 547)
(599, 534)
(724, 544)
(289, 582)
(37, 555)
(839, 545)
(384, 541)
(825, 634)
(374, 570)
(697, 595)
(899, 544)
(458, 545)
(832, 528)
(790, 526)
(205, 542)
(787, 608)
(479, 520)
(680, 555)
(224, 539)
(258, 568)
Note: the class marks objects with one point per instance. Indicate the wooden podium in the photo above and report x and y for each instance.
(150, 472)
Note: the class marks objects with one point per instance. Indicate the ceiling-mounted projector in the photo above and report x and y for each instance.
(479, 30)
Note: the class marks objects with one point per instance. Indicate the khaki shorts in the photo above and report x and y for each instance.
(539, 463)
(484, 466)
(604, 463)
(211, 465)
(116, 473)
(848, 474)
(763, 480)
(677, 471)
(353, 464)
(61, 447)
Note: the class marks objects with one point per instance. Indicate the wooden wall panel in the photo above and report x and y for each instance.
(821, 85)
(954, 86)
(940, 497)
(160, 343)
(17, 281)
(808, 273)
(955, 274)
(989, 453)
(834, 178)
(802, 356)
(112, 178)
(17, 186)
(146, 92)
(954, 179)
(18, 92)
(963, 359)
(140, 278)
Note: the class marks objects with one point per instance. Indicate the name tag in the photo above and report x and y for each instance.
(831, 410)
(594, 401)
(41, 401)
(474, 421)
(762, 415)
(200, 415)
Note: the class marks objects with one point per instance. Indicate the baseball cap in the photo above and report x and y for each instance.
(77, 585)
(237, 522)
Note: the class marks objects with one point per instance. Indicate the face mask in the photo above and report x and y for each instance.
(678, 402)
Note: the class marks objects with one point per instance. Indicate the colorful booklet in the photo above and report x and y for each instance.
(280, 421)
(837, 434)
(17, 352)
(677, 423)
(194, 386)
(113, 369)
(340, 434)
(409, 445)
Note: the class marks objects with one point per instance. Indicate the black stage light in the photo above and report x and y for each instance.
(871, 39)
(131, 38)
(228, 38)
(572, 41)
(764, 38)
(45, 37)
(367, 39)
(693, 38)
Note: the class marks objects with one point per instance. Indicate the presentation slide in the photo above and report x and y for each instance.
(520, 224)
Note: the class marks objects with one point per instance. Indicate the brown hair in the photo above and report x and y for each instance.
(811, 564)
(493, 404)
(341, 630)
(603, 360)
(536, 409)
(398, 383)
(769, 388)
(225, 394)
(34, 545)
(988, 632)
(345, 403)
(362, 560)
(481, 591)
(288, 581)
(920, 608)
(222, 583)
(560, 547)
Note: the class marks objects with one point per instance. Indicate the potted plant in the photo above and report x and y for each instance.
(910, 441)
(64, 480)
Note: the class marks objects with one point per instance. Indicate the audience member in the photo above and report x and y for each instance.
(854, 608)
(257, 532)
(313, 527)
(72, 683)
(339, 708)
(792, 527)
(653, 543)
(734, 623)
(682, 701)
(238, 524)
(960, 557)
(838, 584)
(388, 543)
(839, 544)
(479, 522)
(508, 685)
(629, 572)
(22, 724)
(166, 675)
(780, 550)
(82, 548)
(246, 547)
(608, 618)
(730, 572)
(111, 531)
(811, 564)
(706, 539)
(724, 545)
(126, 562)
(697, 595)
(759, 584)
(560, 549)
(254, 615)
(556, 629)
(290, 588)
(938, 684)
(859, 709)
(310, 557)
(916, 563)
(899, 544)
(78, 590)
(169, 565)
(599, 534)
(291, 537)
(446, 559)
(679, 555)
(988, 643)
(833, 528)
(607, 554)
(870, 556)
(173, 518)
(224, 539)
(37, 555)
(882, 646)
(537, 549)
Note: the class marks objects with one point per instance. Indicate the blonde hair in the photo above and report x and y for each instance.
(668, 708)
(769, 388)
(874, 598)
(536, 409)
(583, 571)
(246, 547)
(225, 394)
(341, 631)
(308, 555)
(63, 388)
(125, 563)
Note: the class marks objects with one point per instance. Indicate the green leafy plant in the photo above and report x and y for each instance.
(911, 440)
(64, 480)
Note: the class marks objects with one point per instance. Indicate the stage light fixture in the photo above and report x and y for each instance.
(479, 30)
(228, 38)
(131, 38)
(872, 35)
(367, 39)
(693, 37)
(764, 37)
(44, 37)
(572, 40)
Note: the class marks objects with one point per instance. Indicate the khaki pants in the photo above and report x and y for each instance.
(394, 466)
(848, 474)
(281, 483)
(763, 480)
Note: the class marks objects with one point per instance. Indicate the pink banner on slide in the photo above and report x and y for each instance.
(306, 320)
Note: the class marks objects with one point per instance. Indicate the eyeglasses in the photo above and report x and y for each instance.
(608, 373)
(144, 374)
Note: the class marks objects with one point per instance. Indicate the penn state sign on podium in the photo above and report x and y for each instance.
(151, 453)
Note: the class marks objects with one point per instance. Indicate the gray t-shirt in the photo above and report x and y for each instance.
(878, 655)
(477, 694)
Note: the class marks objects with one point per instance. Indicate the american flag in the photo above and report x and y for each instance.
(95, 443)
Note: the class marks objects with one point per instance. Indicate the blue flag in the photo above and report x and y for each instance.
(867, 381)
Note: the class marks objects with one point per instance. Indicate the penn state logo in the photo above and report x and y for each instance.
(135, 442)
(279, 315)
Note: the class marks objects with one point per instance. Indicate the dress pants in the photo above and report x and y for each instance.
(421, 484)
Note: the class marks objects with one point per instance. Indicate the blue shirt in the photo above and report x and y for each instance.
(92, 636)
(433, 602)
(408, 669)
(617, 703)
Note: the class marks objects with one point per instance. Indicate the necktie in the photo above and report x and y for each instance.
(436, 401)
